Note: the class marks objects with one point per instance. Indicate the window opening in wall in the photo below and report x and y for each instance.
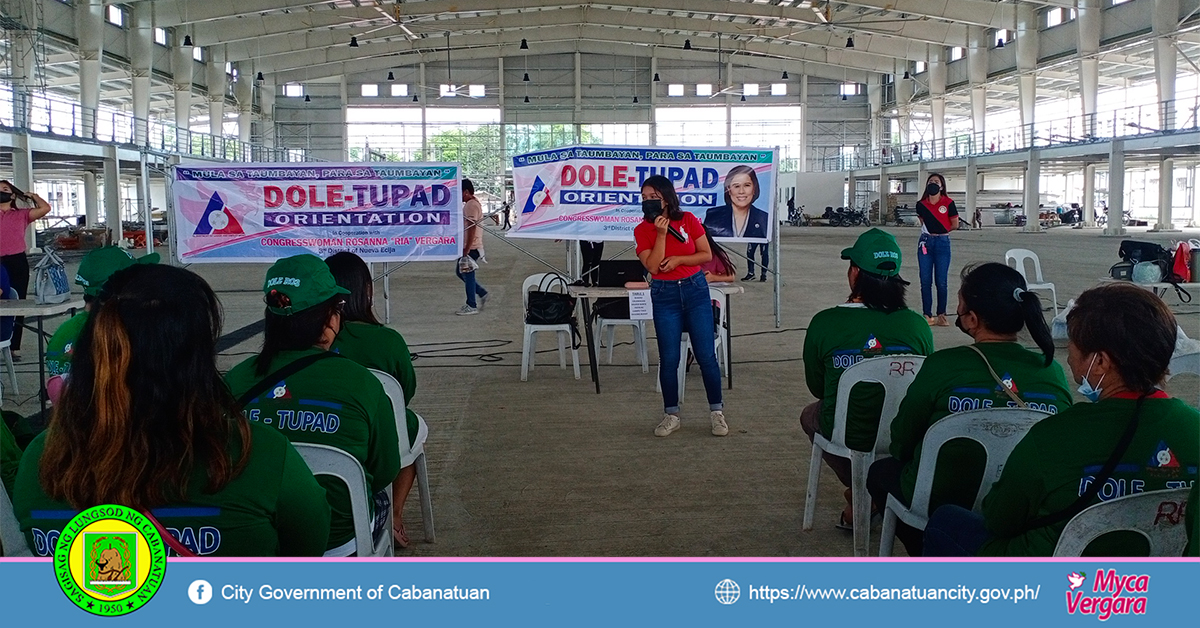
(160, 37)
(779, 89)
(476, 91)
(675, 89)
(116, 15)
(369, 90)
(849, 89)
(447, 91)
(704, 89)
(920, 67)
(198, 53)
(1002, 37)
(293, 90)
(400, 90)
(750, 89)
(956, 53)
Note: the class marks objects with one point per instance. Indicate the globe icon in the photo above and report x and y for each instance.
(727, 591)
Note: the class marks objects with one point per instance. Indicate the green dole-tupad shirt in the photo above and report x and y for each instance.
(1056, 462)
(61, 347)
(956, 380)
(273, 508)
(843, 336)
(333, 402)
(383, 349)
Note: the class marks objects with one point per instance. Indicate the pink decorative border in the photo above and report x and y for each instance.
(585, 559)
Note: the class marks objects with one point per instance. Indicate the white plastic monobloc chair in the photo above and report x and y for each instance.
(998, 430)
(10, 530)
(639, 337)
(1017, 259)
(895, 373)
(721, 345)
(564, 332)
(414, 454)
(1156, 515)
(1186, 363)
(6, 354)
(326, 460)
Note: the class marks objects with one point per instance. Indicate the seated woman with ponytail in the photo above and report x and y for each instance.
(147, 423)
(993, 307)
(297, 386)
(1131, 439)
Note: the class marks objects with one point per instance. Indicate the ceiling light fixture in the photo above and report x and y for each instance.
(524, 45)
(743, 98)
(785, 76)
(415, 99)
(260, 78)
(907, 75)
(656, 79)
(999, 43)
(187, 40)
(687, 44)
(526, 79)
(391, 76)
(526, 99)
(849, 42)
(354, 42)
(635, 100)
(307, 98)
(844, 97)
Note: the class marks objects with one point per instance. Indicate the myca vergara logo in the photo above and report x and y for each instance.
(110, 560)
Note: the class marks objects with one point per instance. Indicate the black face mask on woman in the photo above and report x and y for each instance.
(6, 197)
(932, 189)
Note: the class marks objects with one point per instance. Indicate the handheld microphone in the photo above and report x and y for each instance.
(678, 236)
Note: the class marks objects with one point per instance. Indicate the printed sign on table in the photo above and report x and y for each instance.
(595, 192)
(261, 212)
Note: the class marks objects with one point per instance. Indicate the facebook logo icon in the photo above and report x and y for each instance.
(200, 592)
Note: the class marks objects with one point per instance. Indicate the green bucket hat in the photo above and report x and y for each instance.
(304, 279)
(876, 252)
(99, 265)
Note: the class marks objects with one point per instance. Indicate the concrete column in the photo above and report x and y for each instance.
(1116, 189)
(1195, 197)
(504, 156)
(140, 38)
(181, 69)
(922, 177)
(875, 100)
(972, 184)
(266, 106)
(937, 99)
(1027, 56)
(804, 123)
(1089, 18)
(577, 114)
(217, 82)
(729, 102)
(884, 188)
(977, 71)
(1166, 189)
(1033, 175)
(1089, 195)
(89, 27)
(424, 104)
(91, 202)
(653, 100)
(851, 184)
(112, 194)
(904, 101)
(22, 164)
(243, 92)
(1166, 17)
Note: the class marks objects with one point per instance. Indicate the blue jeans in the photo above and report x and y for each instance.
(473, 287)
(766, 258)
(955, 531)
(933, 258)
(679, 306)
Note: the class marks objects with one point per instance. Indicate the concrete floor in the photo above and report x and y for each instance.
(549, 468)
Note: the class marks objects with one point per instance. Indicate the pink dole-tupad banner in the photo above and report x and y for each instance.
(260, 212)
(595, 192)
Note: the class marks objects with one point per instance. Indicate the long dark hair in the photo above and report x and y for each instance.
(666, 190)
(301, 330)
(351, 273)
(742, 169)
(145, 403)
(998, 295)
(877, 292)
(1135, 328)
(721, 256)
(941, 181)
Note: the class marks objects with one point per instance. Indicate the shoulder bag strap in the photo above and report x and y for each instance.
(170, 540)
(283, 373)
(1011, 395)
(1106, 472)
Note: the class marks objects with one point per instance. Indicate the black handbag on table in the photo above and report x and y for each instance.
(550, 308)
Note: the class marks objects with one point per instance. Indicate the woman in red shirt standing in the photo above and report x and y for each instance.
(672, 248)
(939, 216)
(13, 253)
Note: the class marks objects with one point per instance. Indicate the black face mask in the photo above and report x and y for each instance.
(958, 324)
(6, 197)
(933, 189)
(651, 209)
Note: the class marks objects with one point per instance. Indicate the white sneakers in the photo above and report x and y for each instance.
(719, 426)
(466, 310)
(670, 423)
